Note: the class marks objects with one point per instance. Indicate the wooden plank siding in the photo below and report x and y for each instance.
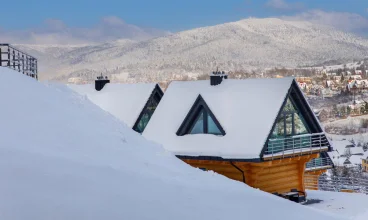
(311, 178)
(277, 176)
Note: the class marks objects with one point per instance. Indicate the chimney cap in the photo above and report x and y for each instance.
(218, 73)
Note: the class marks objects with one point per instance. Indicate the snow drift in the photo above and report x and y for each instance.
(62, 157)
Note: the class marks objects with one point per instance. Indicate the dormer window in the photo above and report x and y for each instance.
(200, 120)
(204, 124)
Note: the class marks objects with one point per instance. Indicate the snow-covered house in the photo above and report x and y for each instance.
(134, 104)
(258, 131)
(346, 154)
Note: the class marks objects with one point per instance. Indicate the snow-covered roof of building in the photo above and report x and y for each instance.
(124, 101)
(338, 155)
(246, 110)
(341, 146)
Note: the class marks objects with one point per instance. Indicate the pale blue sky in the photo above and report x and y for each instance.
(71, 21)
(172, 15)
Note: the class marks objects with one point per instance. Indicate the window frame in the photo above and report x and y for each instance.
(192, 116)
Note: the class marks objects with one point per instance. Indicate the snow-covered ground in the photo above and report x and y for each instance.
(349, 205)
(351, 123)
(62, 157)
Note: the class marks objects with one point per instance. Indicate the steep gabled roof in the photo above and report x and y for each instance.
(124, 101)
(246, 110)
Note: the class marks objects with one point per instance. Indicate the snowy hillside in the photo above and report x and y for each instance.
(61, 157)
(243, 45)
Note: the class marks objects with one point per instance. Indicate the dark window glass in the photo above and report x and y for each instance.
(198, 127)
(204, 124)
(212, 127)
(278, 131)
(147, 114)
(290, 122)
(300, 125)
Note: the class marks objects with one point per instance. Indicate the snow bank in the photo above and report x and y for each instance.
(349, 205)
(363, 217)
(62, 157)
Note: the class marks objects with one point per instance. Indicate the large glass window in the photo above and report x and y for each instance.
(299, 124)
(290, 122)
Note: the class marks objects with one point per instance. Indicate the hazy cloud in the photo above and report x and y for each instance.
(283, 5)
(345, 21)
(54, 31)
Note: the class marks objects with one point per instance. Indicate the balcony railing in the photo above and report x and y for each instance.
(17, 60)
(319, 163)
(336, 184)
(296, 145)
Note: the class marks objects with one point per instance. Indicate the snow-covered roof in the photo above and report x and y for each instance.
(343, 145)
(124, 101)
(246, 110)
(341, 148)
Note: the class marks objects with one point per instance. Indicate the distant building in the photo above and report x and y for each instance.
(322, 114)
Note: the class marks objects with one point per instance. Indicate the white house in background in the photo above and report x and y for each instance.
(133, 104)
(348, 73)
(358, 72)
(346, 154)
(251, 130)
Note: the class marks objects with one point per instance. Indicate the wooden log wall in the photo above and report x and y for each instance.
(277, 176)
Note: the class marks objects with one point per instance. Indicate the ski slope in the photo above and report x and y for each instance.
(62, 157)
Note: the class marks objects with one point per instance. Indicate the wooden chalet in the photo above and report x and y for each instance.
(258, 131)
(133, 104)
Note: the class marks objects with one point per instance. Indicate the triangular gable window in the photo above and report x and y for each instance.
(290, 122)
(200, 120)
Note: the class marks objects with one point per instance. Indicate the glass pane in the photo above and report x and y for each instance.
(198, 126)
(289, 124)
(143, 122)
(300, 126)
(212, 127)
(289, 107)
(278, 131)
